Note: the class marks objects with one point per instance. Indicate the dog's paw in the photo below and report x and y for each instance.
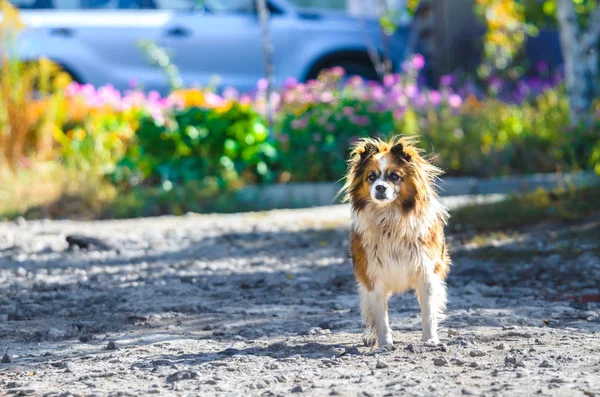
(388, 347)
(431, 342)
(369, 340)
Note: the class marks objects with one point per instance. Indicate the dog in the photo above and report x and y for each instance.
(397, 235)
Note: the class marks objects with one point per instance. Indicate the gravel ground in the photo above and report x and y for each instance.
(265, 304)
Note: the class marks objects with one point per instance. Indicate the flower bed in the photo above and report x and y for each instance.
(223, 140)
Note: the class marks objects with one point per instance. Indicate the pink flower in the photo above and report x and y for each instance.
(284, 138)
(245, 100)
(435, 97)
(326, 97)
(348, 111)
(454, 101)
(299, 123)
(338, 71)
(377, 93)
(411, 90)
(418, 61)
(262, 84)
(399, 113)
(72, 89)
(355, 81)
(389, 80)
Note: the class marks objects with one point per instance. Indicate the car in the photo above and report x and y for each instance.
(98, 41)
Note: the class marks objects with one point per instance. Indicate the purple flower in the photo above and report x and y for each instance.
(231, 93)
(447, 80)
(290, 83)
(317, 137)
(541, 66)
(418, 61)
(454, 101)
(348, 111)
(284, 138)
(361, 120)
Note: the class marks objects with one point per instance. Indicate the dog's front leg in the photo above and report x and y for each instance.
(431, 293)
(374, 304)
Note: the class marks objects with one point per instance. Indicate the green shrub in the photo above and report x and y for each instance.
(218, 147)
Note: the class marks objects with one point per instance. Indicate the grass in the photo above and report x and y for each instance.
(48, 190)
(528, 209)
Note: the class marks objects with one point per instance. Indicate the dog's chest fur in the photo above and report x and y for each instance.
(393, 245)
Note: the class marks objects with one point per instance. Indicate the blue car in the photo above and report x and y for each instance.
(97, 41)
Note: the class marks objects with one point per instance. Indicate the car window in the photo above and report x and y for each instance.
(227, 6)
(87, 4)
(177, 5)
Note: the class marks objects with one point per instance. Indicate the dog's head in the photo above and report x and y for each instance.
(391, 173)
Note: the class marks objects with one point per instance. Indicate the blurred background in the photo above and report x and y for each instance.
(122, 108)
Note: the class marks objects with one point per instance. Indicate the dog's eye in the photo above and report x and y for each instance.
(372, 177)
(394, 177)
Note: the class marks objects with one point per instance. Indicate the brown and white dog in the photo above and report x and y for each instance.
(397, 235)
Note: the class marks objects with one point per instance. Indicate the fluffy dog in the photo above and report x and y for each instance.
(397, 234)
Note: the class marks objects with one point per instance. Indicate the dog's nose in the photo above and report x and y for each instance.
(380, 188)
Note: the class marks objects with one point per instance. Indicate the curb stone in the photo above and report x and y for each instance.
(302, 195)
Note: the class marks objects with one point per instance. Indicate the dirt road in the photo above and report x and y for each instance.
(265, 304)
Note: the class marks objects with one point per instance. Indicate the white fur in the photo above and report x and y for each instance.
(397, 263)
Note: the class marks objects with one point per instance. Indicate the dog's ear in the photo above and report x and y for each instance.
(366, 151)
(398, 151)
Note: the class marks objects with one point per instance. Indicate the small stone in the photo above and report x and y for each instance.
(459, 362)
(6, 358)
(467, 392)
(502, 346)
(473, 364)
(380, 364)
(477, 353)
(182, 375)
(297, 389)
(414, 348)
(111, 345)
(21, 272)
(546, 364)
(453, 332)
(86, 338)
(440, 361)
(352, 351)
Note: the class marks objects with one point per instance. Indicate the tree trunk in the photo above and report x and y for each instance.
(580, 52)
(263, 14)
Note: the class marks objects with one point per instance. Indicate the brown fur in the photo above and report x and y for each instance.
(417, 188)
(359, 261)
